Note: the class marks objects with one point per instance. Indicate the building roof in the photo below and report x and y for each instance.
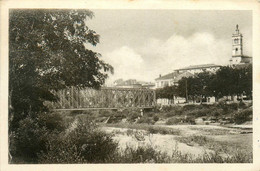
(168, 76)
(174, 76)
(183, 74)
(199, 66)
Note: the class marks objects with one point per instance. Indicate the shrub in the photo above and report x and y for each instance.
(105, 113)
(161, 130)
(190, 107)
(242, 105)
(173, 121)
(243, 116)
(140, 155)
(51, 121)
(61, 150)
(155, 118)
(177, 110)
(146, 119)
(189, 120)
(116, 117)
(198, 139)
(217, 112)
(28, 140)
(131, 117)
(198, 112)
(166, 108)
(85, 143)
(233, 106)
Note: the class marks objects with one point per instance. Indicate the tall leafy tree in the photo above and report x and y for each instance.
(195, 87)
(246, 81)
(47, 51)
(230, 81)
(167, 92)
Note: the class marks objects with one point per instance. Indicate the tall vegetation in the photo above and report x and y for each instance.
(47, 51)
(227, 81)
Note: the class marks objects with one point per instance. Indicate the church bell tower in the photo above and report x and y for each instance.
(237, 47)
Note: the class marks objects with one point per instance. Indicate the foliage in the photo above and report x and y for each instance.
(132, 116)
(47, 52)
(196, 86)
(85, 143)
(167, 92)
(223, 153)
(51, 121)
(140, 155)
(198, 139)
(146, 119)
(227, 81)
(156, 118)
(173, 121)
(181, 120)
(243, 116)
(233, 81)
(116, 117)
(60, 150)
(151, 155)
(28, 140)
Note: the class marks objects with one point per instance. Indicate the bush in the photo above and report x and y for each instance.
(29, 140)
(105, 113)
(140, 155)
(51, 121)
(173, 121)
(146, 119)
(233, 106)
(198, 139)
(242, 105)
(131, 117)
(243, 116)
(176, 121)
(155, 118)
(217, 112)
(190, 107)
(61, 150)
(116, 117)
(189, 120)
(85, 143)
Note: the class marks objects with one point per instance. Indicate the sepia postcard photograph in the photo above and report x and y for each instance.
(137, 85)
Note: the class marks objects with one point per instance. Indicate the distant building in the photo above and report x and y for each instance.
(173, 78)
(237, 50)
(170, 79)
(133, 83)
(195, 69)
(119, 82)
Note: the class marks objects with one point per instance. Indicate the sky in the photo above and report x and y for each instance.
(141, 44)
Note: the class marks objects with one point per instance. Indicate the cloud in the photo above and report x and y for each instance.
(178, 52)
(161, 57)
(126, 62)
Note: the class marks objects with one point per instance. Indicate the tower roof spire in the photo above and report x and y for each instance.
(237, 30)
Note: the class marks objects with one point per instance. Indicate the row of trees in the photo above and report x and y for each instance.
(227, 81)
